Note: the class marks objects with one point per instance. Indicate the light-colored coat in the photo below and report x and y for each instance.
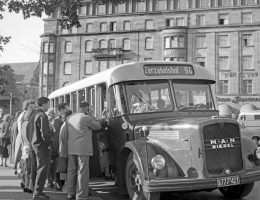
(80, 128)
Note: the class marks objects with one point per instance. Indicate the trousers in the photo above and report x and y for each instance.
(43, 158)
(78, 176)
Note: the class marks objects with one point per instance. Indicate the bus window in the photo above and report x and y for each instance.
(56, 101)
(67, 99)
(149, 96)
(93, 99)
(62, 99)
(193, 96)
(81, 96)
(117, 100)
(74, 102)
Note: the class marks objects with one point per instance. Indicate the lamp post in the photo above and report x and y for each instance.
(11, 101)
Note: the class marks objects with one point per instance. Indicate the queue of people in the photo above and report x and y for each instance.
(39, 137)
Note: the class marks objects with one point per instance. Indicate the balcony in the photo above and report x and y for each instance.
(113, 53)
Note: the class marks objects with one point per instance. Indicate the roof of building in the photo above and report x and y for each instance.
(23, 71)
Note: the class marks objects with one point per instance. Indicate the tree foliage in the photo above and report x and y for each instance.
(68, 10)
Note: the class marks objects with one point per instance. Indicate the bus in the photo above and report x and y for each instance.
(164, 132)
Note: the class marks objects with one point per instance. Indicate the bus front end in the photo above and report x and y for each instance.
(198, 154)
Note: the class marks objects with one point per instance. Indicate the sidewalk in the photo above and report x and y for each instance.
(10, 188)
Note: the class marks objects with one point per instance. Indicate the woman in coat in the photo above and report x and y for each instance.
(5, 139)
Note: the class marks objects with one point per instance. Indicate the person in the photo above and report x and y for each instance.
(14, 133)
(160, 104)
(41, 144)
(5, 139)
(51, 172)
(63, 144)
(80, 126)
(18, 141)
(256, 140)
(63, 111)
(27, 157)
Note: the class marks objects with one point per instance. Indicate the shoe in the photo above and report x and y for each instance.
(22, 185)
(40, 196)
(6, 165)
(29, 191)
(25, 190)
(71, 197)
(1, 165)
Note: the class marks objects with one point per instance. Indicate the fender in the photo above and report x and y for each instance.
(248, 148)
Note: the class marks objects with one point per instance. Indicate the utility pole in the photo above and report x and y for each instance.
(11, 103)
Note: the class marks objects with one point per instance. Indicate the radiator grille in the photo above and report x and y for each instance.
(222, 147)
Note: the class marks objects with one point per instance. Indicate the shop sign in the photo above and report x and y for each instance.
(241, 74)
(238, 99)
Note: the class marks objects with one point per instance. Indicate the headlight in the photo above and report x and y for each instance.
(158, 162)
(257, 153)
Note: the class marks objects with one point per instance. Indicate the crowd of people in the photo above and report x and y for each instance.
(39, 137)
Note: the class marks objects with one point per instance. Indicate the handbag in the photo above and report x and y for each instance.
(62, 165)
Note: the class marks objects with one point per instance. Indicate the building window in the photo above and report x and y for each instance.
(139, 6)
(121, 6)
(224, 63)
(247, 62)
(64, 31)
(148, 43)
(223, 19)
(112, 44)
(223, 86)
(198, 4)
(102, 65)
(200, 20)
(102, 44)
(248, 2)
(213, 3)
(126, 44)
(89, 28)
(224, 41)
(127, 25)
(147, 59)
(201, 41)
(51, 47)
(149, 24)
(247, 86)
(161, 5)
(111, 63)
(74, 29)
(68, 47)
(88, 67)
(45, 47)
(101, 9)
(170, 22)
(124, 61)
(247, 40)
(246, 18)
(45, 68)
(51, 68)
(201, 61)
(89, 11)
(225, 3)
(173, 42)
(88, 46)
(67, 67)
(112, 26)
(179, 21)
(103, 27)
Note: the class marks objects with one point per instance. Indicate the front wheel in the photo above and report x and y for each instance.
(237, 191)
(134, 183)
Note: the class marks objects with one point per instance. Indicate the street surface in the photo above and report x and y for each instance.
(101, 190)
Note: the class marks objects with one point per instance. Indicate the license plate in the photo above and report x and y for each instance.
(227, 181)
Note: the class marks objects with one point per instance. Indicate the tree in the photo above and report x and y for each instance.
(7, 87)
(69, 16)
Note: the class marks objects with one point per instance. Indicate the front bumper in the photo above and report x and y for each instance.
(189, 184)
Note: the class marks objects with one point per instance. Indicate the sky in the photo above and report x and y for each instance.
(25, 42)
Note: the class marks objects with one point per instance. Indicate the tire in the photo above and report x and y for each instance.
(134, 183)
(237, 191)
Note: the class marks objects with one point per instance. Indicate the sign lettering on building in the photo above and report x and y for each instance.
(238, 99)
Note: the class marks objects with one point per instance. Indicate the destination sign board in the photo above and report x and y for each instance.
(164, 70)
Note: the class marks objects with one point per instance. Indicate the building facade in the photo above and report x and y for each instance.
(221, 35)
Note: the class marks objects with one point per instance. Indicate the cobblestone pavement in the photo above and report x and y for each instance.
(10, 188)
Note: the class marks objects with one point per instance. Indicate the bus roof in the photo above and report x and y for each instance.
(133, 71)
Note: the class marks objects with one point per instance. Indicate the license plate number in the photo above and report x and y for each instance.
(227, 181)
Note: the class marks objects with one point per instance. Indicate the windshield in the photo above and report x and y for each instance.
(193, 97)
(149, 96)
